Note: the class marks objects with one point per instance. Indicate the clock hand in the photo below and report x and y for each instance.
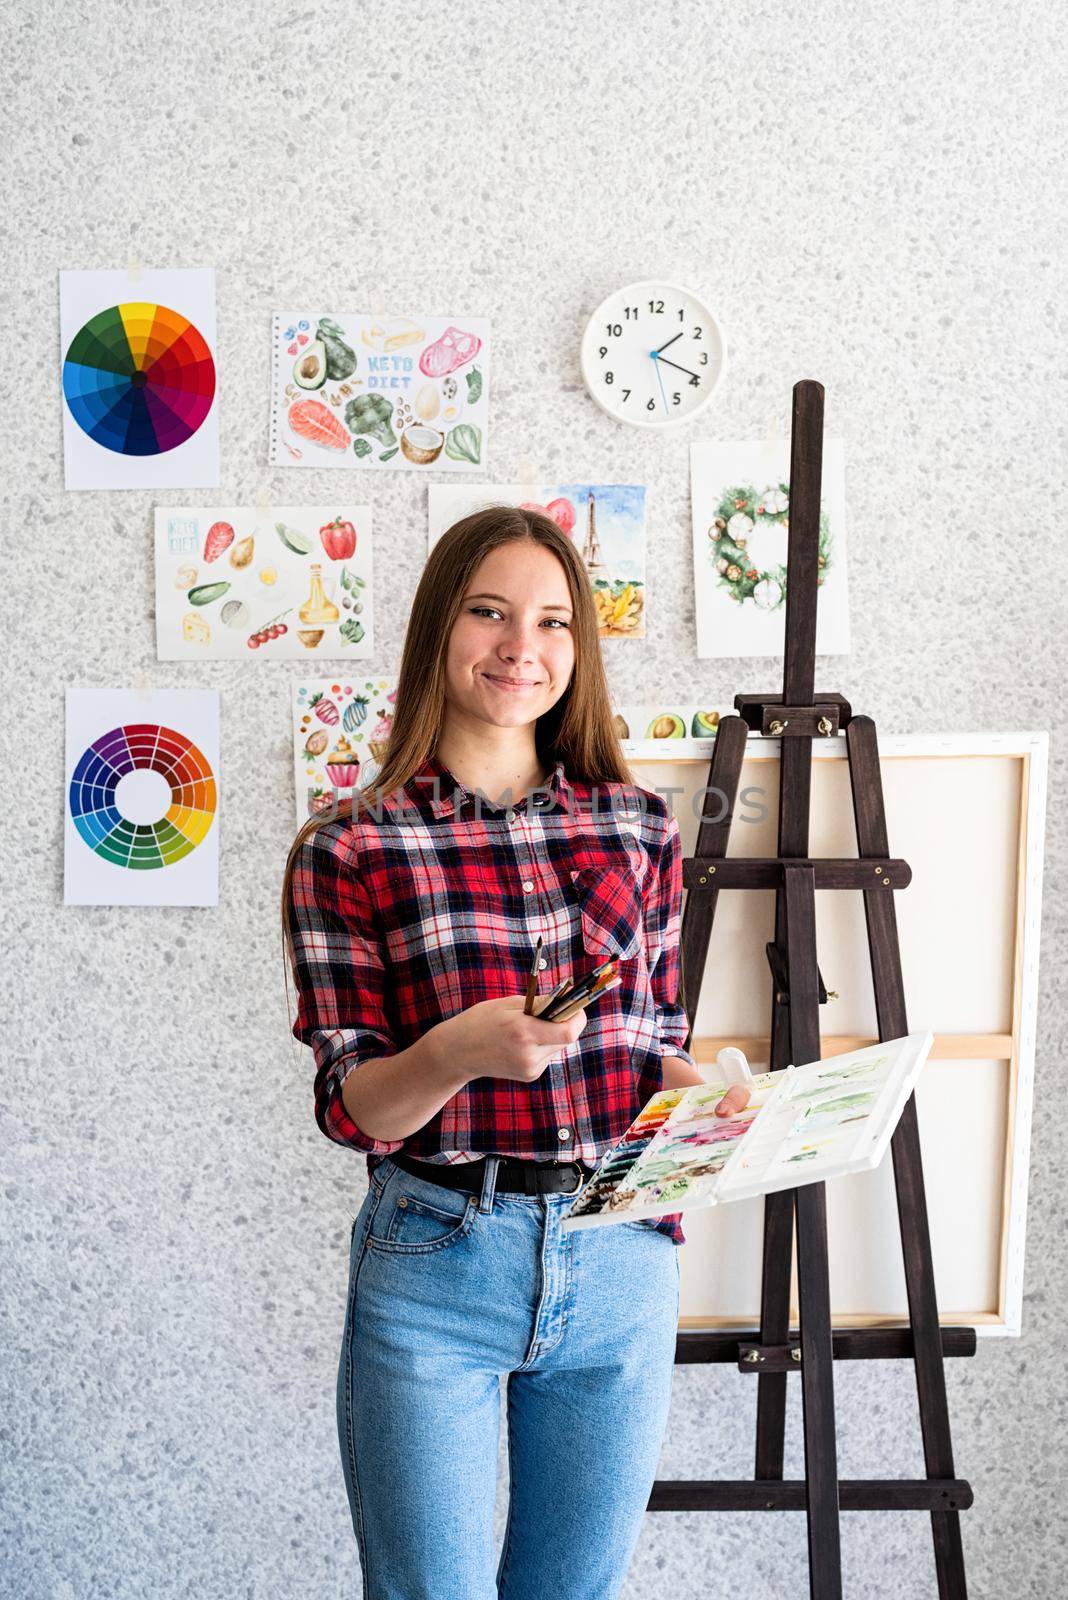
(669, 343)
(659, 379)
(675, 364)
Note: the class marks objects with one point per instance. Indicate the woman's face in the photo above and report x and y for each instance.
(511, 651)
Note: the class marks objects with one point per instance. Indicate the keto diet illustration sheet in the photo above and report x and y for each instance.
(605, 521)
(341, 727)
(349, 389)
(802, 1125)
(263, 583)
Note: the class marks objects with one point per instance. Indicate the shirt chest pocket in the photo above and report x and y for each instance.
(610, 909)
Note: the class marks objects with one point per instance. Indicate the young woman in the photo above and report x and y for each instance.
(503, 812)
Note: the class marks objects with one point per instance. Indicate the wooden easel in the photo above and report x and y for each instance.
(772, 1352)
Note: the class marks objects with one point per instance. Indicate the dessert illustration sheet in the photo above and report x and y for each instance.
(341, 727)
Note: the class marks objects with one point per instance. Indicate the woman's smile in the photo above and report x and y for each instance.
(511, 685)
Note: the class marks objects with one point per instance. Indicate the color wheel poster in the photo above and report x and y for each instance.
(139, 379)
(142, 798)
(741, 521)
(349, 389)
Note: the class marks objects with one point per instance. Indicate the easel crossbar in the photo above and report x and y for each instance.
(847, 1344)
(702, 876)
(854, 1494)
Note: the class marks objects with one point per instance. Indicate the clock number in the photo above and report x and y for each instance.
(602, 351)
(695, 382)
(614, 329)
(656, 307)
(650, 405)
(626, 394)
(697, 333)
(704, 358)
(608, 378)
(681, 316)
(630, 311)
(676, 398)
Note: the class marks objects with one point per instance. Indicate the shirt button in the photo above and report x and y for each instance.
(543, 963)
(563, 1133)
(509, 816)
(528, 886)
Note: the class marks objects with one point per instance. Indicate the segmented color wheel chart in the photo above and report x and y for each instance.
(139, 379)
(132, 748)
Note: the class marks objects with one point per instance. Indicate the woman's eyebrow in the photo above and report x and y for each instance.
(505, 601)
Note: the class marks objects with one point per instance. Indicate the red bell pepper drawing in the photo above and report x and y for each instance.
(339, 539)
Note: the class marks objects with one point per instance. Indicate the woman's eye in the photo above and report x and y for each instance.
(491, 611)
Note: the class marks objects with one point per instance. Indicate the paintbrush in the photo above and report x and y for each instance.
(594, 994)
(532, 981)
(582, 990)
(543, 1004)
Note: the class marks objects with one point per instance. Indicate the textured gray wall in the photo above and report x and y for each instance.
(869, 195)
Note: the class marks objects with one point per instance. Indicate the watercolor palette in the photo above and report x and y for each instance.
(803, 1125)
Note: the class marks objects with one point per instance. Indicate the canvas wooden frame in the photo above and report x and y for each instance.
(972, 807)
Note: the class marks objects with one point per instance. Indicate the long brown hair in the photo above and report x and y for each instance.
(578, 730)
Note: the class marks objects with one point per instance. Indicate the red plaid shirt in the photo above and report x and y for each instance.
(436, 903)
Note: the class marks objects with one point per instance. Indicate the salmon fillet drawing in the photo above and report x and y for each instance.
(317, 423)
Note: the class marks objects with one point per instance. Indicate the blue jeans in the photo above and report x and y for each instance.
(450, 1291)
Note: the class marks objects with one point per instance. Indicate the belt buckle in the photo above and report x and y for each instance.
(578, 1177)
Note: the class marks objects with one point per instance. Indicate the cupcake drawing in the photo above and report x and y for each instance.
(343, 765)
(379, 736)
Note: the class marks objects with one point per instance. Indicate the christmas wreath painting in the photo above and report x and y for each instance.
(747, 544)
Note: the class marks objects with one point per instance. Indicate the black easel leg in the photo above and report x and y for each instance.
(774, 1330)
(817, 1390)
(870, 814)
(813, 1271)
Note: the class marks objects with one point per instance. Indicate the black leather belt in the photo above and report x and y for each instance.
(513, 1175)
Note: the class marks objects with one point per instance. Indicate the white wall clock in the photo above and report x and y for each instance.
(652, 354)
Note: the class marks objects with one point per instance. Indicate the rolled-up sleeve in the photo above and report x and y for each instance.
(663, 923)
(341, 977)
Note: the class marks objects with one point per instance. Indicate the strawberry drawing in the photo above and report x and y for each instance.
(325, 710)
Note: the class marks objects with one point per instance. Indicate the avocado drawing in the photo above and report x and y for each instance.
(666, 726)
(704, 724)
(309, 369)
(340, 357)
